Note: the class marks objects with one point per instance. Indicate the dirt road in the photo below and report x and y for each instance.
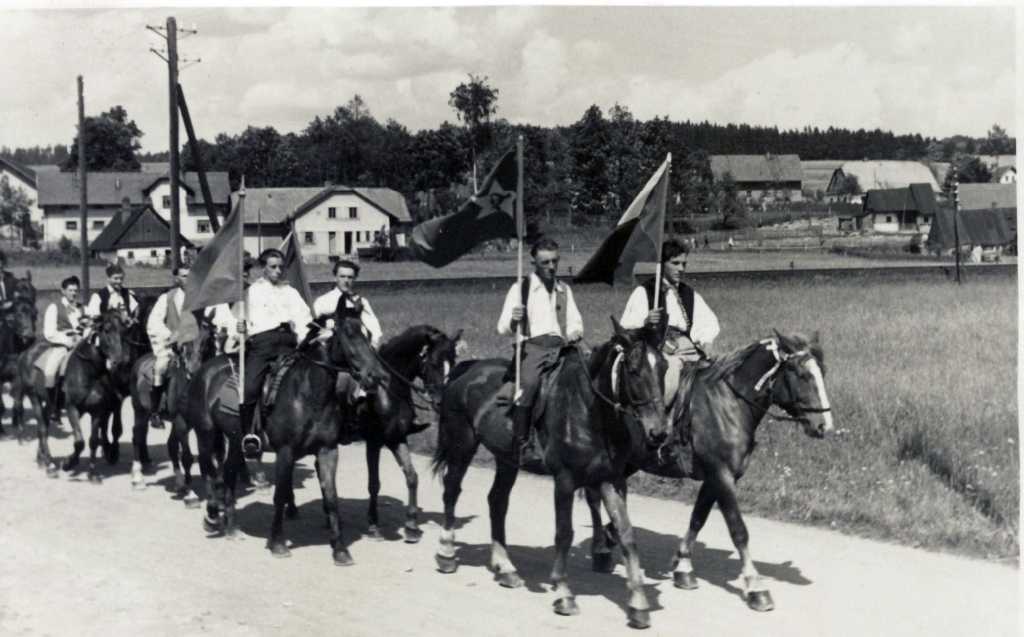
(77, 558)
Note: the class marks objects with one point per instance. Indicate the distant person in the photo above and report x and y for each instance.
(706, 244)
(162, 329)
(732, 244)
(113, 296)
(63, 324)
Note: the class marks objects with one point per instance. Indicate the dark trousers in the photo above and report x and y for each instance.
(538, 355)
(261, 351)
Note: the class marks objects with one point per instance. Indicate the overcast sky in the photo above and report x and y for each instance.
(934, 71)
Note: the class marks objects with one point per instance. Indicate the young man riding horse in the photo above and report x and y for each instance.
(534, 304)
(63, 323)
(114, 295)
(278, 320)
(162, 329)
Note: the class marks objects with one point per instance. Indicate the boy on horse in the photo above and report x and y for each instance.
(681, 317)
(62, 329)
(113, 296)
(534, 304)
(278, 321)
(162, 329)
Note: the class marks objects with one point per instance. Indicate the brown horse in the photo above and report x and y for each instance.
(304, 419)
(596, 421)
(714, 443)
(17, 333)
(387, 419)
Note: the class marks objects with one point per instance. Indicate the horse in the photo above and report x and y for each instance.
(185, 360)
(727, 401)
(17, 333)
(388, 418)
(596, 419)
(305, 418)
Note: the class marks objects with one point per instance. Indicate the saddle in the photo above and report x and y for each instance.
(549, 371)
(677, 455)
(272, 383)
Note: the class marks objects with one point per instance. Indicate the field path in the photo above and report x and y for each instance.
(105, 560)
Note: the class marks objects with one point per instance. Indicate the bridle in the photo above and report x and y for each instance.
(769, 378)
(629, 404)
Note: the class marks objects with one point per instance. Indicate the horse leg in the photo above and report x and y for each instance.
(139, 447)
(209, 468)
(505, 475)
(97, 429)
(600, 548)
(74, 417)
(412, 531)
(373, 486)
(43, 456)
(17, 411)
(614, 497)
(179, 429)
(682, 566)
(757, 595)
(284, 466)
(565, 602)
(454, 472)
(112, 449)
(326, 472)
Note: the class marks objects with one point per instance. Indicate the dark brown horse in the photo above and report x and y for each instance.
(727, 402)
(304, 419)
(389, 417)
(185, 361)
(17, 333)
(596, 420)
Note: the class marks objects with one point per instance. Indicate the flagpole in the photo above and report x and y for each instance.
(241, 296)
(657, 271)
(520, 222)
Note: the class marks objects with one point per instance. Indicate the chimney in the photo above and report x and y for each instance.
(117, 183)
(126, 206)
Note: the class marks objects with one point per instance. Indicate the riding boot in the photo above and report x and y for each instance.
(53, 400)
(156, 394)
(522, 441)
(252, 446)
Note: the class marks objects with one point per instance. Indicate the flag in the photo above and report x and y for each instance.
(216, 275)
(636, 238)
(294, 272)
(489, 214)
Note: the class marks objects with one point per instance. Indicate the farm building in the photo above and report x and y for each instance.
(986, 196)
(976, 228)
(817, 174)
(879, 175)
(329, 222)
(136, 235)
(23, 178)
(1004, 175)
(59, 199)
(762, 177)
(895, 210)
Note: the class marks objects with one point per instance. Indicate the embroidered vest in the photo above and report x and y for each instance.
(685, 294)
(105, 299)
(64, 323)
(524, 295)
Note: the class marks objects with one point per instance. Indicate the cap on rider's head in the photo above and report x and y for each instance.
(114, 269)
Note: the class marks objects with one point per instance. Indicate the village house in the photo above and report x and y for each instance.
(761, 177)
(1004, 175)
(136, 235)
(333, 221)
(23, 178)
(895, 210)
(878, 175)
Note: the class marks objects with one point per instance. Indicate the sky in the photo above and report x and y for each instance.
(936, 71)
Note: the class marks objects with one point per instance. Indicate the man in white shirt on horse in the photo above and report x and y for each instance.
(113, 295)
(62, 329)
(162, 327)
(534, 304)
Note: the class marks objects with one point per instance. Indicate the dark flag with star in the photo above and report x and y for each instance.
(489, 214)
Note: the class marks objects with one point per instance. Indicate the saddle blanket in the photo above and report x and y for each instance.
(227, 397)
(52, 362)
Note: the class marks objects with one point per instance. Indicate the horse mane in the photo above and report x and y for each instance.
(408, 341)
(729, 363)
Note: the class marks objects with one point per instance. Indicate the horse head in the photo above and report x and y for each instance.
(109, 335)
(23, 288)
(640, 381)
(349, 345)
(202, 348)
(19, 316)
(799, 387)
(436, 360)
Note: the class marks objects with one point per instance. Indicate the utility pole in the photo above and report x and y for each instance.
(83, 216)
(171, 35)
(956, 213)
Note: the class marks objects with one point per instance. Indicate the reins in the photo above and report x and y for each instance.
(781, 358)
(614, 404)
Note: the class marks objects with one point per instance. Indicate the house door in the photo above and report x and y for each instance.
(348, 243)
(332, 243)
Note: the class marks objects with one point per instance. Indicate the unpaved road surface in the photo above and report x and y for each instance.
(84, 559)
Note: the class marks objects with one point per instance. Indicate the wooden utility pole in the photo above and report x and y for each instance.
(193, 144)
(83, 215)
(956, 224)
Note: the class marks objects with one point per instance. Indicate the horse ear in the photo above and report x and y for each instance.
(816, 337)
(455, 337)
(785, 343)
(619, 330)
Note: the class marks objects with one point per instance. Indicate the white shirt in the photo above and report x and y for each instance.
(541, 309)
(224, 318)
(93, 309)
(704, 326)
(326, 305)
(269, 305)
(156, 325)
(50, 331)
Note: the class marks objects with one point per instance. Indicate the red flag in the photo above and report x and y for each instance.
(294, 271)
(216, 275)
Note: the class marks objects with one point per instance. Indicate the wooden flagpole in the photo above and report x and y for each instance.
(520, 223)
(241, 298)
(664, 203)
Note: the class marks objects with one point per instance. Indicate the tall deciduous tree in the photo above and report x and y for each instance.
(589, 149)
(111, 142)
(14, 207)
(474, 103)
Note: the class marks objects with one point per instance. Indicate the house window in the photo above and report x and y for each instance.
(202, 226)
(98, 225)
(131, 254)
(166, 202)
(332, 213)
(352, 213)
(153, 253)
(71, 225)
(307, 238)
(888, 218)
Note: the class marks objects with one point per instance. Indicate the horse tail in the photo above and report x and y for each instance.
(440, 460)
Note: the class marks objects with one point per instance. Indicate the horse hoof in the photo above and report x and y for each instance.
(69, 464)
(52, 471)
(211, 525)
(510, 579)
(138, 485)
(373, 533)
(291, 512)
(639, 618)
(95, 478)
(343, 558)
(760, 601)
(446, 565)
(412, 535)
(280, 550)
(602, 563)
(191, 501)
(566, 606)
(686, 581)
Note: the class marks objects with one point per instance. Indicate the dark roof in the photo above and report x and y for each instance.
(917, 197)
(763, 168)
(278, 205)
(108, 189)
(139, 228)
(975, 227)
(985, 196)
(24, 173)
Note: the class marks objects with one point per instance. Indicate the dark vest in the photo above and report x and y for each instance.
(63, 320)
(105, 299)
(685, 293)
(524, 296)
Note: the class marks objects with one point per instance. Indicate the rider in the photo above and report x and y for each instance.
(687, 325)
(162, 326)
(7, 280)
(345, 274)
(113, 296)
(533, 305)
(225, 316)
(278, 320)
(62, 329)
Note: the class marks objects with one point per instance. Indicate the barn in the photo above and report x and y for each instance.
(136, 235)
(896, 210)
(878, 175)
(761, 177)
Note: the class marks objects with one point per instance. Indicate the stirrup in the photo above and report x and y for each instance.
(155, 421)
(251, 446)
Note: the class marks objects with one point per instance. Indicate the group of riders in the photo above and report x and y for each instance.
(540, 310)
